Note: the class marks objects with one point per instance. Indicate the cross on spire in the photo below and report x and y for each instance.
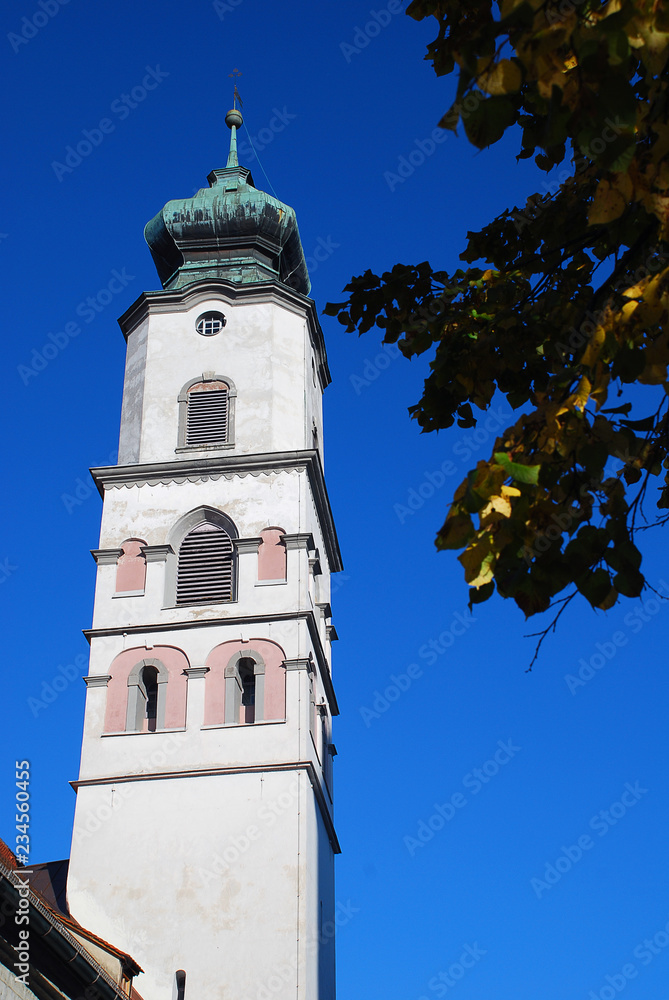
(235, 95)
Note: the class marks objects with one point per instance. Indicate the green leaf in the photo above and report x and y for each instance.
(624, 557)
(456, 532)
(625, 408)
(630, 583)
(618, 156)
(489, 120)
(596, 587)
(593, 457)
(521, 473)
(479, 594)
(646, 424)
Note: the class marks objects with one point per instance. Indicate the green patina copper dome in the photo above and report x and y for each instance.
(229, 230)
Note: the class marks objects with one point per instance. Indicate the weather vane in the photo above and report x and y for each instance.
(235, 75)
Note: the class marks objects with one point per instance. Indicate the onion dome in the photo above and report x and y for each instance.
(229, 230)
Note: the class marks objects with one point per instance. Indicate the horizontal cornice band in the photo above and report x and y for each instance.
(257, 292)
(204, 469)
(206, 772)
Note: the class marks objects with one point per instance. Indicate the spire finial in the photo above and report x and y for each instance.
(233, 120)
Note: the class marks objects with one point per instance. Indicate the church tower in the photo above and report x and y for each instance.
(203, 839)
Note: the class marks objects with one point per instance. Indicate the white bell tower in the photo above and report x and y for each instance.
(203, 839)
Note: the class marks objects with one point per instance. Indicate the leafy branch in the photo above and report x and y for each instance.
(529, 315)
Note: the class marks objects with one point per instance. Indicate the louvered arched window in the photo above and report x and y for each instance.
(205, 566)
(207, 414)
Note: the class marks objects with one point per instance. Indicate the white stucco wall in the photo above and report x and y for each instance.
(215, 875)
(164, 862)
(264, 348)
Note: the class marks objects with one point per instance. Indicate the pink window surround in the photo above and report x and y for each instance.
(131, 567)
(274, 707)
(272, 555)
(174, 660)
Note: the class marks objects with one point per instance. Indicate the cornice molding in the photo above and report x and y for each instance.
(247, 544)
(157, 553)
(169, 301)
(228, 466)
(299, 663)
(299, 540)
(106, 557)
(97, 680)
(298, 765)
(195, 672)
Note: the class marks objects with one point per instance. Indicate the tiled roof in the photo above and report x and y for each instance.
(7, 856)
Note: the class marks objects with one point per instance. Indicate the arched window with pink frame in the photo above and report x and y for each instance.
(246, 683)
(147, 690)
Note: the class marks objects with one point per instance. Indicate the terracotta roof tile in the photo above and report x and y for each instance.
(7, 856)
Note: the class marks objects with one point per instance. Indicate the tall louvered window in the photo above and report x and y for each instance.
(205, 567)
(207, 414)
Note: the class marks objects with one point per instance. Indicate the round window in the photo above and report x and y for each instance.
(209, 324)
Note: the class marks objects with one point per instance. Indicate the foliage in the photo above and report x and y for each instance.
(570, 312)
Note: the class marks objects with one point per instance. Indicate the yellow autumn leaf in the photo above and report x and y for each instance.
(503, 78)
(655, 48)
(660, 204)
(474, 556)
(510, 491)
(551, 76)
(498, 504)
(486, 573)
(623, 184)
(580, 398)
(600, 391)
(653, 289)
(608, 204)
(649, 313)
(593, 350)
(636, 291)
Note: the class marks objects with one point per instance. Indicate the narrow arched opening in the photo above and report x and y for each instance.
(247, 677)
(149, 688)
(179, 985)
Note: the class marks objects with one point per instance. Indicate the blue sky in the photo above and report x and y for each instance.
(335, 105)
